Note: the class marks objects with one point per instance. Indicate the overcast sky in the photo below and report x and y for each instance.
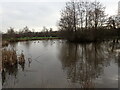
(38, 13)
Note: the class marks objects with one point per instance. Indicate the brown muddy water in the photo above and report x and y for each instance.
(59, 64)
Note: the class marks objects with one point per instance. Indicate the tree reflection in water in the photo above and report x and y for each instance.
(83, 63)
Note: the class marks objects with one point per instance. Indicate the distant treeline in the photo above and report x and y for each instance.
(26, 32)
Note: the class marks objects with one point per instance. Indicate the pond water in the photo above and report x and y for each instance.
(60, 64)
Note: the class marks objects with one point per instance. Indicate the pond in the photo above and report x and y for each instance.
(60, 64)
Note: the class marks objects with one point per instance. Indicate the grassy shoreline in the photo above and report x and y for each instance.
(30, 38)
(83, 39)
(6, 41)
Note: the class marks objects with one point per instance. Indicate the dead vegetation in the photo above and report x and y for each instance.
(21, 58)
(10, 58)
(10, 62)
(5, 43)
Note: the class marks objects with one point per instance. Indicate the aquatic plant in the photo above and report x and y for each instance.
(10, 58)
(5, 43)
(21, 58)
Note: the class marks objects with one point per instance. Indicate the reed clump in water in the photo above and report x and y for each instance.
(10, 61)
(5, 43)
(10, 58)
(21, 59)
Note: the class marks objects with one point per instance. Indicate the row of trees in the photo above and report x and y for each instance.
(26, 32)
(81, 16)
(113, 22)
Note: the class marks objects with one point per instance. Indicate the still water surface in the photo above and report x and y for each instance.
(59, 64)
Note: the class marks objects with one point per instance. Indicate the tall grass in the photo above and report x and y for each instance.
(10, 58)
(10, 61)
(5, 43)
(28, 38)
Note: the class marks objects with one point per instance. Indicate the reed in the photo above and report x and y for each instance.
(5, 43)
(21, 59)
(10, 58)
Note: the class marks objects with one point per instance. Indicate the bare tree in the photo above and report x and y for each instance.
(112, 22)
(98, 14)
(79, 16)
(69, 20)
(10, 31)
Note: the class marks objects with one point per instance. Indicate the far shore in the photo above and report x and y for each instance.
(6, 41)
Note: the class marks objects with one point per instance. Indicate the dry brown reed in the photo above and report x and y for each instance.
(10, 58)
(21, 58)
(5, 43)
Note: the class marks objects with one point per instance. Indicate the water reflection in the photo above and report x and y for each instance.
(84, 63)
(13, 45)
(47, 43)
(11, 71)
(27, 44)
